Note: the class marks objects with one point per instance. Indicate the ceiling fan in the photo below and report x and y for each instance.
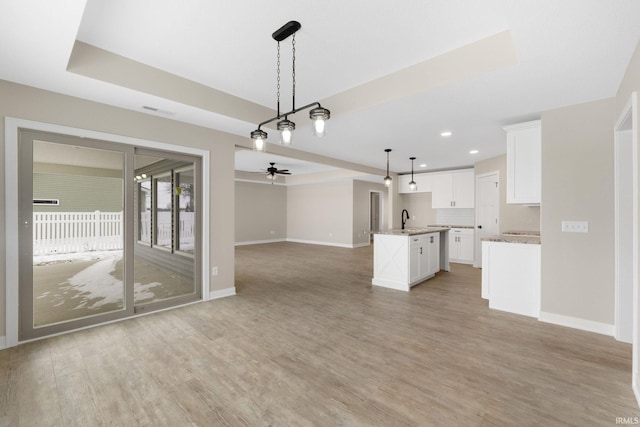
(272, 171)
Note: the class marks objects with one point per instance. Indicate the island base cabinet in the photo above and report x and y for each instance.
(400, 262)
(511, 277)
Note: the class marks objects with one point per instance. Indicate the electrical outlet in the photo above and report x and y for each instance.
(273, 232)
(214, 271)
(575, 226)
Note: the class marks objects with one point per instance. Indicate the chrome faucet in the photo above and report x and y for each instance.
(404, 220)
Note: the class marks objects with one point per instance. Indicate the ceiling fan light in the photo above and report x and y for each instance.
(387, 181)
(286, 128)
(259, 138)
(319, 116)
(413, 185)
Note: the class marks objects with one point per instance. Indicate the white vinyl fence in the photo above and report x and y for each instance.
(68, 232)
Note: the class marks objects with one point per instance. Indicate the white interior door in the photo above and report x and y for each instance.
(487, 210)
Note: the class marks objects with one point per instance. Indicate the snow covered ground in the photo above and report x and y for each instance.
(95, 286)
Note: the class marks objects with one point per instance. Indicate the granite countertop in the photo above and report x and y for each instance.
(522, 233)
(451, 226)
(412, 231)
(514, 238)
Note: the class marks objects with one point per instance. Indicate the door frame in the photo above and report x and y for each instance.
(12, 127)
(629, 111)
(478, 243)
(626, 119)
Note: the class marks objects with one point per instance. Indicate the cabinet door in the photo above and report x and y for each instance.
(423, 180)
(463, 189)
(403, 184)
(434, 253)
(524, 163)
(465, 247)
(442, 191)
(453, 245)
(414, 259)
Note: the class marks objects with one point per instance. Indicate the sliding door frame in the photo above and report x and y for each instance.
(11, 129)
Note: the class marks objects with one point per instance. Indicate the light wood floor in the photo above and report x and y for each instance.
(308, 341)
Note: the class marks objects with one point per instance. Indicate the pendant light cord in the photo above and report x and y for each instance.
(278, 80)
(293, 74)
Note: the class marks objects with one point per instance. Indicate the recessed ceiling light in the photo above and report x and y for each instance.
(446, 133)
(423, 165)
(473, 152)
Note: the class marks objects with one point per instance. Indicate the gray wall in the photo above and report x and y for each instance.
(578, 184)
(260, 210)
(321, 212)
(511, 217)
(34, 104)
(361, 210)
(419, 206)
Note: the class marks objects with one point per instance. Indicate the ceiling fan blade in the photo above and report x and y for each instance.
(283, 173)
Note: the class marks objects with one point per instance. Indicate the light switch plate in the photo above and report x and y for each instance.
(575, 226)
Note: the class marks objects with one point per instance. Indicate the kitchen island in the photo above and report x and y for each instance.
(405, 258)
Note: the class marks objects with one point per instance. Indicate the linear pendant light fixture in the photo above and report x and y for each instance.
(412, 183)
(285, 126)
(387, 179)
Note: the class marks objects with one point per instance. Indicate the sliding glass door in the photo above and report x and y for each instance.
(167, 223)
(107, 231)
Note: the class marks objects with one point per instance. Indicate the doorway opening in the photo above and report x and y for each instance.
(375, 212)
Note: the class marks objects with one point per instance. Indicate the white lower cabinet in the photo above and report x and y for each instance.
(511, 277)
(424, 256)
(461, 244)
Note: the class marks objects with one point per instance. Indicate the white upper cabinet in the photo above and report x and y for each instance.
(524, 166)
(453, 189)
(422, 180)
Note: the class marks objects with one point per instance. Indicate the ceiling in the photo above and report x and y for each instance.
(394, 74)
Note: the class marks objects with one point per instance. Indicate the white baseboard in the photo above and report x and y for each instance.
(3, 343)
(361, 245)
(259, 242)
(316, 242)
(222, 293)
(390, 284)
(577, 323)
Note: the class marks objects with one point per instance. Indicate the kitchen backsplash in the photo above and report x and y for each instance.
(455, 216)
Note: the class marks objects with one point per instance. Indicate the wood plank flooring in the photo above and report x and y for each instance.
(309, 341)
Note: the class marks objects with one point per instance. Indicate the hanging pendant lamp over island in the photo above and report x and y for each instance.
(412, 183)
(387, 179)
(319, 115)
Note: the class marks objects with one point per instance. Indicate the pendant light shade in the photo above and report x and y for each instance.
(412, 184)
(285, 127)
(388, 179)
(259, 138)
(319, 116)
